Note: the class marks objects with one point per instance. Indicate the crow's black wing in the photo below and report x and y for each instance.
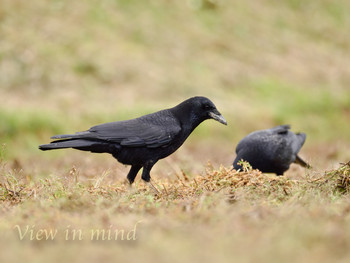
(153, 130)
(281, 129)
(264, 138)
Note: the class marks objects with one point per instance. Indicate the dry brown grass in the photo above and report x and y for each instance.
(216, 215)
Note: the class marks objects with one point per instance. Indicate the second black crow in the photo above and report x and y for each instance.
(271, 150)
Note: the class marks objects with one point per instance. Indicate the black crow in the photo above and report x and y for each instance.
(141, 142)
(271, 150)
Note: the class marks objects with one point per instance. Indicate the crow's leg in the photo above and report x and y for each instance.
(146, 171)
(133, 172)
(147, 177)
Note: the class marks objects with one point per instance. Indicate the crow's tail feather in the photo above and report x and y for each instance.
(77, 135)
(95, 146)
(301, 137)
(301, 162)
(69, 143)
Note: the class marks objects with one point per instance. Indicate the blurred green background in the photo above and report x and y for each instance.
(68, 65)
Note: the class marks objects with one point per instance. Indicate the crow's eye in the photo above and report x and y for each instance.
(207, 107)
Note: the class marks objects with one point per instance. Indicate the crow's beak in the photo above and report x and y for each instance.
(217, 116)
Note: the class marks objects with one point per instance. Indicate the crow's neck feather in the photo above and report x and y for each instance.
(187, 116)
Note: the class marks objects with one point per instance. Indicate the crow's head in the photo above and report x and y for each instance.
(203, 109)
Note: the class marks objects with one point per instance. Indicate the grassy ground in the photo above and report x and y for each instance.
(219, 215)
(65, 66)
